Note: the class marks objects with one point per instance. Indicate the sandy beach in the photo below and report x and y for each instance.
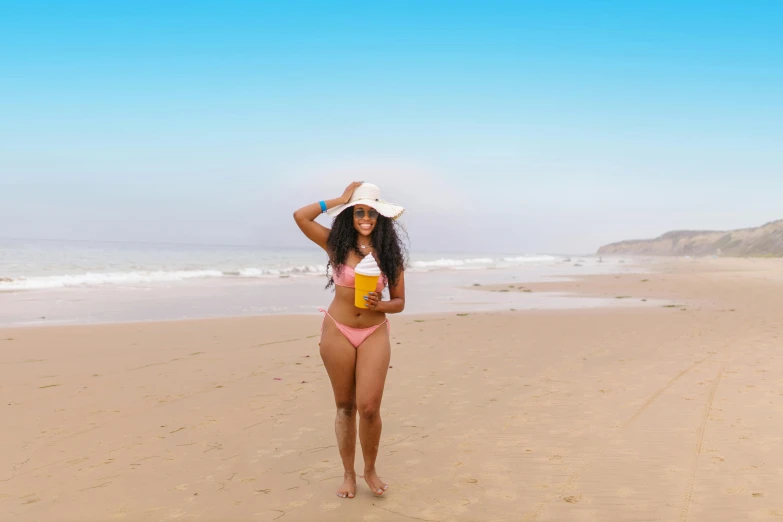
(657, 412)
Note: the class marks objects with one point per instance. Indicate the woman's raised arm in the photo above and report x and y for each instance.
(305, 216)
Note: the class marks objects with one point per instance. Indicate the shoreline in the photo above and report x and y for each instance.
(428, 292)
(574, 287)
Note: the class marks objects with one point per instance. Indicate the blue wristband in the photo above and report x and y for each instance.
(323, 206)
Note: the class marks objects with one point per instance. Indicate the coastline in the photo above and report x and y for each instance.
(626, 413)
(439, 290)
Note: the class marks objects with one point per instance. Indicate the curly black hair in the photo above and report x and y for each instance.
(386, 239)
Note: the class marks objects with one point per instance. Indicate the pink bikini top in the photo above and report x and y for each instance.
(347, 277)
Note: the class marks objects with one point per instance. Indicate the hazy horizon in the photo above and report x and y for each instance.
(502, 128)
(307, 246)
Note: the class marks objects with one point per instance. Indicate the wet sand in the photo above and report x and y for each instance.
(668, 412)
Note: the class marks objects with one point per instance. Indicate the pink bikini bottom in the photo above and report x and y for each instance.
(355, 336)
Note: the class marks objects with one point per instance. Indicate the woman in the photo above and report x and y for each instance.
(355, 344)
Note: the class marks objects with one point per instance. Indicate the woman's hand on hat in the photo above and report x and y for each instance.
(346, 197)
(373, 299)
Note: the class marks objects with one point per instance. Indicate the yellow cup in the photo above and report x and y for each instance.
(364, 285)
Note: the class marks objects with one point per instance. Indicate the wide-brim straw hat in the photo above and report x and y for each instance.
(370, 195)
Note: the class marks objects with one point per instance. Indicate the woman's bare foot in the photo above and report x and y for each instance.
(374, 481)
(348, 489)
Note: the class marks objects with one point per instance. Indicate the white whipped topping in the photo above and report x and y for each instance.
(368, 266)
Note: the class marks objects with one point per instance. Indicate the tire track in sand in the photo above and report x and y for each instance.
(699, 443)
(619, 430)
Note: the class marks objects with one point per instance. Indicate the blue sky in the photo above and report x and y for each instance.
(502, 126)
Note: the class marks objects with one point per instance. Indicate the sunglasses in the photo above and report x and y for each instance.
(359, 213)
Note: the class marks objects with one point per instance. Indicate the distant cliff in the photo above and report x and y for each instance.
(766, 240)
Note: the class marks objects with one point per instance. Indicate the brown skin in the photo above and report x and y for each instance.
(358, 375)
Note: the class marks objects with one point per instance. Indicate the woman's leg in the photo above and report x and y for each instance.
(372, 363)
(339, 357)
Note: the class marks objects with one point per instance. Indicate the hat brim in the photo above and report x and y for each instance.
(388, 210)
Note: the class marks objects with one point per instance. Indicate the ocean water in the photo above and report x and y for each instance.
(61, 282)
(35, 265)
